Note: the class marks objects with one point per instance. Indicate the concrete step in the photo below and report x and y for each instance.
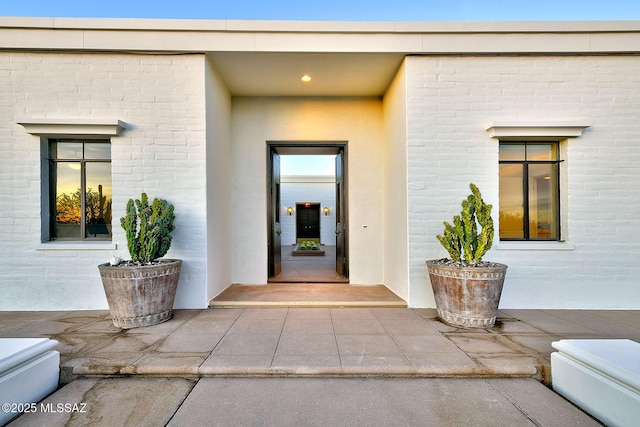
(307, 295)
(283, 371)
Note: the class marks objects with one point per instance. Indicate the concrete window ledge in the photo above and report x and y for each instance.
(539, 130)
(534, 246)
(72, 127)
(75, 246)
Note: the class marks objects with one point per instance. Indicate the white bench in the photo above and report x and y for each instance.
(29, 371)
(601, 376)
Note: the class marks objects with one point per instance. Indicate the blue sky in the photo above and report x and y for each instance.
(307, 165)
(337, 10)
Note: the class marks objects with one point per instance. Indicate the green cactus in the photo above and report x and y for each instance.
(462, 240)
(148, 228)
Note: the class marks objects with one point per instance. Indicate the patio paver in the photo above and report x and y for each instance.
(206, 359)
(315, 341)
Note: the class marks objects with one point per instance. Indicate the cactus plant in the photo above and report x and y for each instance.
(462, 239)
(148, 228)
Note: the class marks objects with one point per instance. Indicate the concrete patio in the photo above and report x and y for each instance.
(273, 355)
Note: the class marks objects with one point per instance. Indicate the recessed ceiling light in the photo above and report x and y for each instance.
(306, 78)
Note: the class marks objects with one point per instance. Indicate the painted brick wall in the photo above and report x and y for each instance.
(451, 99)
(162, 152)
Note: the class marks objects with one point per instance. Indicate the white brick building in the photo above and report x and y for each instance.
(190, 110)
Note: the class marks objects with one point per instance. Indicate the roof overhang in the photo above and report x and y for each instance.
(267, 58)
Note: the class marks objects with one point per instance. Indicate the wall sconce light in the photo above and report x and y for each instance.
(289, 211)
(326, 211)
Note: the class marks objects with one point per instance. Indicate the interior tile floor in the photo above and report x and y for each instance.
(309, 268)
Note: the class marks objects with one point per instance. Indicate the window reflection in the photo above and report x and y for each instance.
(541, 152)
(68, 150)
(529, 199)
(82, 190)
(97, 151)
(511, 201)
(542, 209)
(512, 152)
(98, 199)
(68, 205)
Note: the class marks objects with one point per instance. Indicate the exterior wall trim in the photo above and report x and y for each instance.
(68, 246)
(287, 26)
(508, 130)
(76, 127)
(534, 246)
(157, 35)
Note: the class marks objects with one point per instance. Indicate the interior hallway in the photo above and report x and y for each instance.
(308, 268)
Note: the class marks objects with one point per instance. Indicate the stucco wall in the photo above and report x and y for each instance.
(162, 152)
(396, 267)
(358, 122)
(219, 187)
(450, 101)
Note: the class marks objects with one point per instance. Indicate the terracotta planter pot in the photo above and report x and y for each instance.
(467, 297)
(142, 295)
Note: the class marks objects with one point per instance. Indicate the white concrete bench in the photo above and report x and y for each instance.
(601, 376)
(29, 371)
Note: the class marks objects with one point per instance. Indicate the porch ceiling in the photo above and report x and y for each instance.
(332, 74)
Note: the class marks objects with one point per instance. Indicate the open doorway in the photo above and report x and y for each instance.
(307, 212)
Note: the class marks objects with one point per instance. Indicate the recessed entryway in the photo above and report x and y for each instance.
(307, 208)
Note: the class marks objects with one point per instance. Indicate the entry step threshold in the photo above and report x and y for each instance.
(307, 295)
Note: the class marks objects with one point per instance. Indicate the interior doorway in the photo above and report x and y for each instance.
(307, 222)
(299, 215)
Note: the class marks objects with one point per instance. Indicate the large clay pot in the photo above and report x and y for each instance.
(140, 295)
(467, 297)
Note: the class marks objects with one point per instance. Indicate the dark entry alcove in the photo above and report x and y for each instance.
(308, 221)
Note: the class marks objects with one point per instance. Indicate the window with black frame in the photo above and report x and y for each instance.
(79, 189)
(529, 191)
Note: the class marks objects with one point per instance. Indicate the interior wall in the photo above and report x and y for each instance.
(356, 121)
(396, 269)
(219, 188)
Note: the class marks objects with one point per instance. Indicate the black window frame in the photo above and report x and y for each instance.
(48, 187)
(525, 190)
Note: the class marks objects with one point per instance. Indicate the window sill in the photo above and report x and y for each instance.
(534, 246)
(89, 246)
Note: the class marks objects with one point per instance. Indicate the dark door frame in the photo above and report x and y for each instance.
(273, 213)
(275, 148)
